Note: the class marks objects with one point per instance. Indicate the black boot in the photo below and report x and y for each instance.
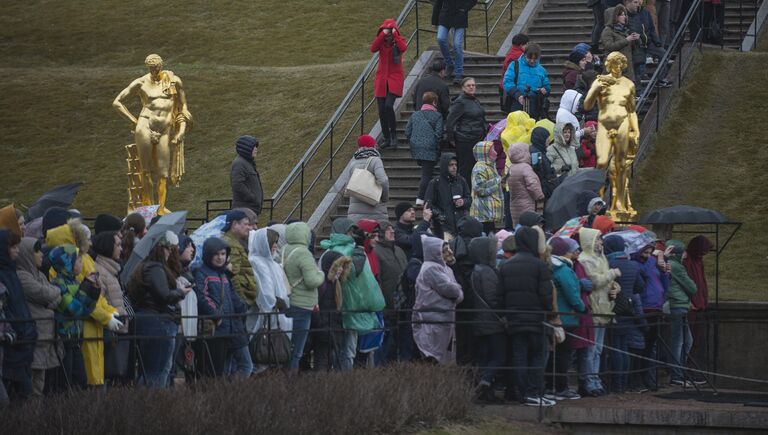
(384, 141)
(393, 142)
(485, 394)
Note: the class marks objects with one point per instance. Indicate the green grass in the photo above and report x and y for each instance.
(276, 70)
(711, 152)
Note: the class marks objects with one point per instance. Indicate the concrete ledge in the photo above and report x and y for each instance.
(750, 41)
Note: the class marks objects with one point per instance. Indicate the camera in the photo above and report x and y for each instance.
(565, 168)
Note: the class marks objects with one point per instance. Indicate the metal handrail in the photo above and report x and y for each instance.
(297, 174)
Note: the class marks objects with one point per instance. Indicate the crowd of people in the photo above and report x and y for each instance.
(480, 280)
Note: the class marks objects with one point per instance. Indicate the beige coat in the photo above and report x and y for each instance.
(110, 286)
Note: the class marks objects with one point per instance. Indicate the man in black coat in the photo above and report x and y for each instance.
(448, 196)
(246, 183)
(404, 228)
(433, 82)
(447, 15)
(527, 286)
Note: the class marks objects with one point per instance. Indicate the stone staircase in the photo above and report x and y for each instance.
(557, 26)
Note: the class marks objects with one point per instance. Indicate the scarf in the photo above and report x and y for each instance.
(364, 153)
(428, 107)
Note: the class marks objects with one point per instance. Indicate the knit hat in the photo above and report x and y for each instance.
(501, 235)
(245, 145)
(366, 141)
(401, 208)
(579, 52)
(563, 245)
(104, 243)
(604, 224)
(106, 222)
(54, 217)
(613, 244)
(530, 219)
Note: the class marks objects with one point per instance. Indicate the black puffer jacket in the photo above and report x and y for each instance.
(452, 13)
(526, 283)
(543, 166)
(466, 120)
(485, 287)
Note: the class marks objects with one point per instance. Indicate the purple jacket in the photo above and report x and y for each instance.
(656, 284)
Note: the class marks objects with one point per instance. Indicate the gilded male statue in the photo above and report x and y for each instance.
(618, 132)
(159, 129)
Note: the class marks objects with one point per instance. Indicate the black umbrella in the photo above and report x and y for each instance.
(563, 204)
(59, 196)
(683, 214)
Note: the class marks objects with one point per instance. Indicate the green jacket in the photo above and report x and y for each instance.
(303, 275)
(681, 286)
(243, 280)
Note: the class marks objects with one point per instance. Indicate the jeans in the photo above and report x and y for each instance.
(427, 168)
(239, 362)
(680, 342)
(557, 367)
(458, 41)
(663, 18)
(387, 114)
(528, 358)
(593, 360)
(651, 339)
(639, 73)
(492, 353)
(211, 356)
(588, 381)
(348, 350)
(619, 362)
(302, 319)
(155, 353)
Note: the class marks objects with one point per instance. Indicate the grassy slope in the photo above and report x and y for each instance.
(711, 153)
(246, 66)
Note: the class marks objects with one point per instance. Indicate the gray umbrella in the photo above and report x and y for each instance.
(173, 222)
(60, 196)
(562, 205)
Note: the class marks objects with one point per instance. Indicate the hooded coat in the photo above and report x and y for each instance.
(485, 287)
(247, 191)
(303, 275)
(543, 167)
(632, 284)
(20, 354)
(371, 159)
(437, 294)
(216, 297)
(270, 279)
(656, 283)
(681, 286)
(614, 38)
(568, 291)
(561, 153)
(526, 283)
(42, 298)
(441, 191)
(697, 248)
(599, 272)
(566, 113)
(392, 263)
(93, 328)
(389, 74)
(424, 131)
(487, 196)
(524, 185)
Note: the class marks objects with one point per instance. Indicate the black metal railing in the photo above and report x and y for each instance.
(322, 161)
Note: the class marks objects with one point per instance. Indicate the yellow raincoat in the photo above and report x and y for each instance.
(93, 329)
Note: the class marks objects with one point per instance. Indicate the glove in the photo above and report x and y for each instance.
(586, 284)
(280, 304)
(114, 324)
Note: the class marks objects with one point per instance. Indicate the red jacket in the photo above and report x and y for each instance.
(514, 53)
(590, 155)
(389, 75)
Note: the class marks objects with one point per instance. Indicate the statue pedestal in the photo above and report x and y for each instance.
(622, 215)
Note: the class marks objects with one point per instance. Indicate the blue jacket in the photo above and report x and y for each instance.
(424, 131)
(656, 284)
(528, 77)
(216, 297)
(632, 284)
(568, 291)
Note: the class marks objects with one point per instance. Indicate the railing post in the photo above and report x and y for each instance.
(417, 29)
(362, 106)
(487, 36)
(330, 153)
(301, 199)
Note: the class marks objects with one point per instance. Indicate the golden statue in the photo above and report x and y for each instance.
(618, 132)
(159, 132)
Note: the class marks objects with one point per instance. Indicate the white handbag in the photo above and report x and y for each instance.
(363, 186)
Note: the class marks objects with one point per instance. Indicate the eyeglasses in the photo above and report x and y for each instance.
(470, 85)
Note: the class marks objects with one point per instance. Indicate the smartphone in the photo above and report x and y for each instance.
(534, 159)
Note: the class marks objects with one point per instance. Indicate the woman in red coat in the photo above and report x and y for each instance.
(388, 82)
